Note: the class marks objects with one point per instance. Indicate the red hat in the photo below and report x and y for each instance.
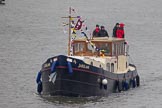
(121, 25)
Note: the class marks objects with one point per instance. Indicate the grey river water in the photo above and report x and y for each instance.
(31, 31)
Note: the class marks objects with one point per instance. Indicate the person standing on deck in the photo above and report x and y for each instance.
(115, 29)
(120, 31)
(103, 32)
(96, 31)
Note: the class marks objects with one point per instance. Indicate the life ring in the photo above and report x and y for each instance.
(138, 81)
(100, 84)
(118, 86)
(39, 82)
(53, 67)
(125, 85)
(70, 69)
(39, 87)
(133, 83)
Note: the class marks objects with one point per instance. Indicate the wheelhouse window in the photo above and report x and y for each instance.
(105, 47)
(108, 67)
(112, 67)
(118, 48)
(78, 47)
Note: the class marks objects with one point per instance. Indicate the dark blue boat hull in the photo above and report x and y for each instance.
(81, 79)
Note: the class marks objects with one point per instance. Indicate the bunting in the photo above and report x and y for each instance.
(65, 24)
(81, 27)
(72, 24)
(73, 10)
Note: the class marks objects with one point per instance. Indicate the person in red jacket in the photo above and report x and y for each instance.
(96, 31)
(120, 31)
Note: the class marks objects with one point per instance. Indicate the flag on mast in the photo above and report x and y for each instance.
(78, 25)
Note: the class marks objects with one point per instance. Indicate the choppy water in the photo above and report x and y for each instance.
(31, 31)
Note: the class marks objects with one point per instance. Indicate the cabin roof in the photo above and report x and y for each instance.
(101, 39)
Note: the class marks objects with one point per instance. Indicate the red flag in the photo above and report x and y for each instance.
(78, 25)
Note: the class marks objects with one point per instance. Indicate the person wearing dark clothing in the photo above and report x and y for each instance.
(96, 31)
(120, 31)
(103, 32)
(2, 1)
(115, 29)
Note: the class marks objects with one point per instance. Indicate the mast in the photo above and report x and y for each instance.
(69, 45)
(69, 23)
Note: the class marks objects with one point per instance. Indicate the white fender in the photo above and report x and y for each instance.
(104, 81)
